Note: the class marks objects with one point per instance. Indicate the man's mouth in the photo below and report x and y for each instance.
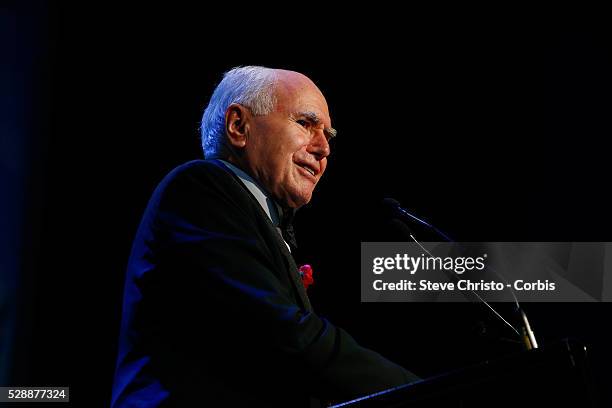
(308, 169)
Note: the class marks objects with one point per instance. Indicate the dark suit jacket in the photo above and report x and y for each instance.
(215, 313)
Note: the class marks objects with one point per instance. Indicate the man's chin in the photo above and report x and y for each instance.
(297, 204)
(297, 200)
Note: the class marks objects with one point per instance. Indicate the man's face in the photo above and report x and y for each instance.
(287, 149)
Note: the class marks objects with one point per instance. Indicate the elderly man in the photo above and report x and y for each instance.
(215, 313)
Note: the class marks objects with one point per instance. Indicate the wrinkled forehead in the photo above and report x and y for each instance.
(297, 93)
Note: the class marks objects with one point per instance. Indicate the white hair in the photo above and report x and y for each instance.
(250, 86)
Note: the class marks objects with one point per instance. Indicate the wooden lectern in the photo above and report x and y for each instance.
(553, 376)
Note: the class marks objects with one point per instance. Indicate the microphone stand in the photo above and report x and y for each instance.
(527, 335)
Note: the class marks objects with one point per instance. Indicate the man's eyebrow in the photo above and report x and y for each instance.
(312, 117)
(330, 132)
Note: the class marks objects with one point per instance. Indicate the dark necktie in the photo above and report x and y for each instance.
(286, 227)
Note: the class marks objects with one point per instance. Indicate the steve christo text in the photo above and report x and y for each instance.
(425, 285)
(457, 265)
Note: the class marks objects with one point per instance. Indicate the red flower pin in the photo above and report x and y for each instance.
(306, 275)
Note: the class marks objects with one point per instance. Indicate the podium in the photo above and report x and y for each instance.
(553, 376)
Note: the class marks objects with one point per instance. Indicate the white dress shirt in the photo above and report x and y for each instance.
(269, 206)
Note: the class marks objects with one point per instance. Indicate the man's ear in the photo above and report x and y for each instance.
(236, 124)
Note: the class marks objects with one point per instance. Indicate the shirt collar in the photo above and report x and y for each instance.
(271, 208)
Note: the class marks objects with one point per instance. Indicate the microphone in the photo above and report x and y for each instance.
(401, 214)
(396, 209)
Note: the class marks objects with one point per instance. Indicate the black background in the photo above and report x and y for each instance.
(490, 131)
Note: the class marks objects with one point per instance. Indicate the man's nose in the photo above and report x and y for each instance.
(319, 145)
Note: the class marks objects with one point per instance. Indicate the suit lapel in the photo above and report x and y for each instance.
(291, 267)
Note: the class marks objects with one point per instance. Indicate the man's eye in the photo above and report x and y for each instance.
(302, 122)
